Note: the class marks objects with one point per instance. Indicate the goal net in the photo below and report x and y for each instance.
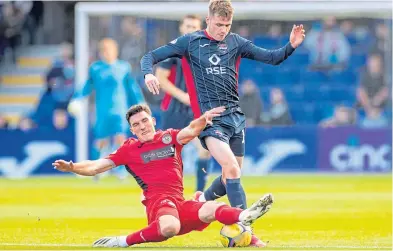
(141, 26)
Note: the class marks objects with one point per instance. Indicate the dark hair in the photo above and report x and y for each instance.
(135, 109)
(191, 16)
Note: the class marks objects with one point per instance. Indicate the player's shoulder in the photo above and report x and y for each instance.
(130, 142)
(96, 65)
(188, 38)
(236, 37)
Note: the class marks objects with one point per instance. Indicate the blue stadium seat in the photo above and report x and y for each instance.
(313, 77)
(347, 77)
(266, 42)
(357, 60)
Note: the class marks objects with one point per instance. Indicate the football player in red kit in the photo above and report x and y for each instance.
(154, 160)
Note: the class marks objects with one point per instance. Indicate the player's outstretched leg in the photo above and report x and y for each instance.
(227, 215)
(162, 229)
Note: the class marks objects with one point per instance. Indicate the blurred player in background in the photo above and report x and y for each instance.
(211, 60)
(154, 159)
(115, 90)
(176, 103)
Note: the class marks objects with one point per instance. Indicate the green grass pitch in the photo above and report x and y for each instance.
(311, 212)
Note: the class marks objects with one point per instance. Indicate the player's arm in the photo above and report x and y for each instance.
(176, 48)
(162, 72)
(85, 168)
(196, 126)
(273, 57)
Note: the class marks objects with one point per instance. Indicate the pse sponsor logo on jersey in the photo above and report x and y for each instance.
(158, 154)
(215, 69)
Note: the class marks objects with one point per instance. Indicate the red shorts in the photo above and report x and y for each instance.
(184, 210)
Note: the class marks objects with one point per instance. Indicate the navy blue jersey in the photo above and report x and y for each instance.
(211, 67)
(171, 104)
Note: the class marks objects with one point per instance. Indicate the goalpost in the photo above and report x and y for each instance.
(266, 10)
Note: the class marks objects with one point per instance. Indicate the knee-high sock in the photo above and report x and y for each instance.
(216, 190)
(202, 172)
(227, 215)
(236, 195)
(150, 233)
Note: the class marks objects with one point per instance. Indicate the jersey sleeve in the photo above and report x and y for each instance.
(118, 157)
(176, 48)
(174, 133)
(273, 57)
(167, 63)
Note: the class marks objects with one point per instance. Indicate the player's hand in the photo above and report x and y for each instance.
(152, 84)
(63, 166)
(297, 35)
(215, 112)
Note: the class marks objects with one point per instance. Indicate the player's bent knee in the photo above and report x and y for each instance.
(207, 212)
(231, 171)
(169, 226)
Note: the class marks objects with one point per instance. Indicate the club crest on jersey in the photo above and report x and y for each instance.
(223, 47)
(167, 139)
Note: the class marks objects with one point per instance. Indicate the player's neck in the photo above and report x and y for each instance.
(208, 34)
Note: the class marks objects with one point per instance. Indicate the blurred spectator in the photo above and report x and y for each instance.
(343, 116)
(383, 45)
(275, 31)
(42, 116)
(374, 119)
(61, 119)
(373, 90)
(11, 25)
(131, 42)
(347, 27)
(278, 113)
(251, 103)
(243, 31)
(3, 123)
(26, 124)
(33, 12)
(329, 48)
(60, 78)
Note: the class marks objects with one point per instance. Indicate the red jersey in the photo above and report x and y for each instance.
(156, 165)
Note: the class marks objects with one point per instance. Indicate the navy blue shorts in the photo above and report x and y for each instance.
(176, 120)
(229, 128)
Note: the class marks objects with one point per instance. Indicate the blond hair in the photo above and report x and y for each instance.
(221, 8)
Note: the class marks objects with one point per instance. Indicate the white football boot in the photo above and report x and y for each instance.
(256, 210)
(109, 242)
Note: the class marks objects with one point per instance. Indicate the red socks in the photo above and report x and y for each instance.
(228, 215)
(150, 233)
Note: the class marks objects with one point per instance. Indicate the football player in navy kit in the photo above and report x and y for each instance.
(210, 60)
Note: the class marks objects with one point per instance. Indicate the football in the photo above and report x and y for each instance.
(235, 235)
